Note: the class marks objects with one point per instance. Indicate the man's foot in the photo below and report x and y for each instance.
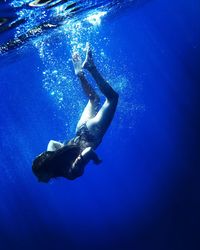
(88, 63)
(77, 63)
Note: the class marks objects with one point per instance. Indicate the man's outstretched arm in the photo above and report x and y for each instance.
(87, 155)
(81, 161)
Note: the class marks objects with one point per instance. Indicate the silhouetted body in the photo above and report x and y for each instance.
(69, 160)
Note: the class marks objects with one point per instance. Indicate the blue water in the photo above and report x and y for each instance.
(145, 194)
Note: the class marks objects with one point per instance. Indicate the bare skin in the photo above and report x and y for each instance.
(96, 118)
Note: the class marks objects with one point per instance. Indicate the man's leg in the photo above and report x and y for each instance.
(105, 115)
(92, 107)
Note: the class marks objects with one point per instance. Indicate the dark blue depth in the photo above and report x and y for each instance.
(145, 194)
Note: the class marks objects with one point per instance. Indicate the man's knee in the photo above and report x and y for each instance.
(116, 96)
(113, 98)
(54, 145)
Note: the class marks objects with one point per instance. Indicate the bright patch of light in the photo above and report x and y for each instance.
(95, 19)
(60, 9)
(19, 3)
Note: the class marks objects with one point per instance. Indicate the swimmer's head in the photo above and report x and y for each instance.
(41, 170)
(53, 164)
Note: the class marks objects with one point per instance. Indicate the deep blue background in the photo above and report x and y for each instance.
(145, 195)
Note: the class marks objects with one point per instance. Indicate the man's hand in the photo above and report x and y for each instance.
(89, 154)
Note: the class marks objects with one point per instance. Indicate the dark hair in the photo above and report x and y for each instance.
(50, 164)
(40, 167)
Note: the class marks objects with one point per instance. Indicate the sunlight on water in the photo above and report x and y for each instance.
(95, 19)
(18, 3)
